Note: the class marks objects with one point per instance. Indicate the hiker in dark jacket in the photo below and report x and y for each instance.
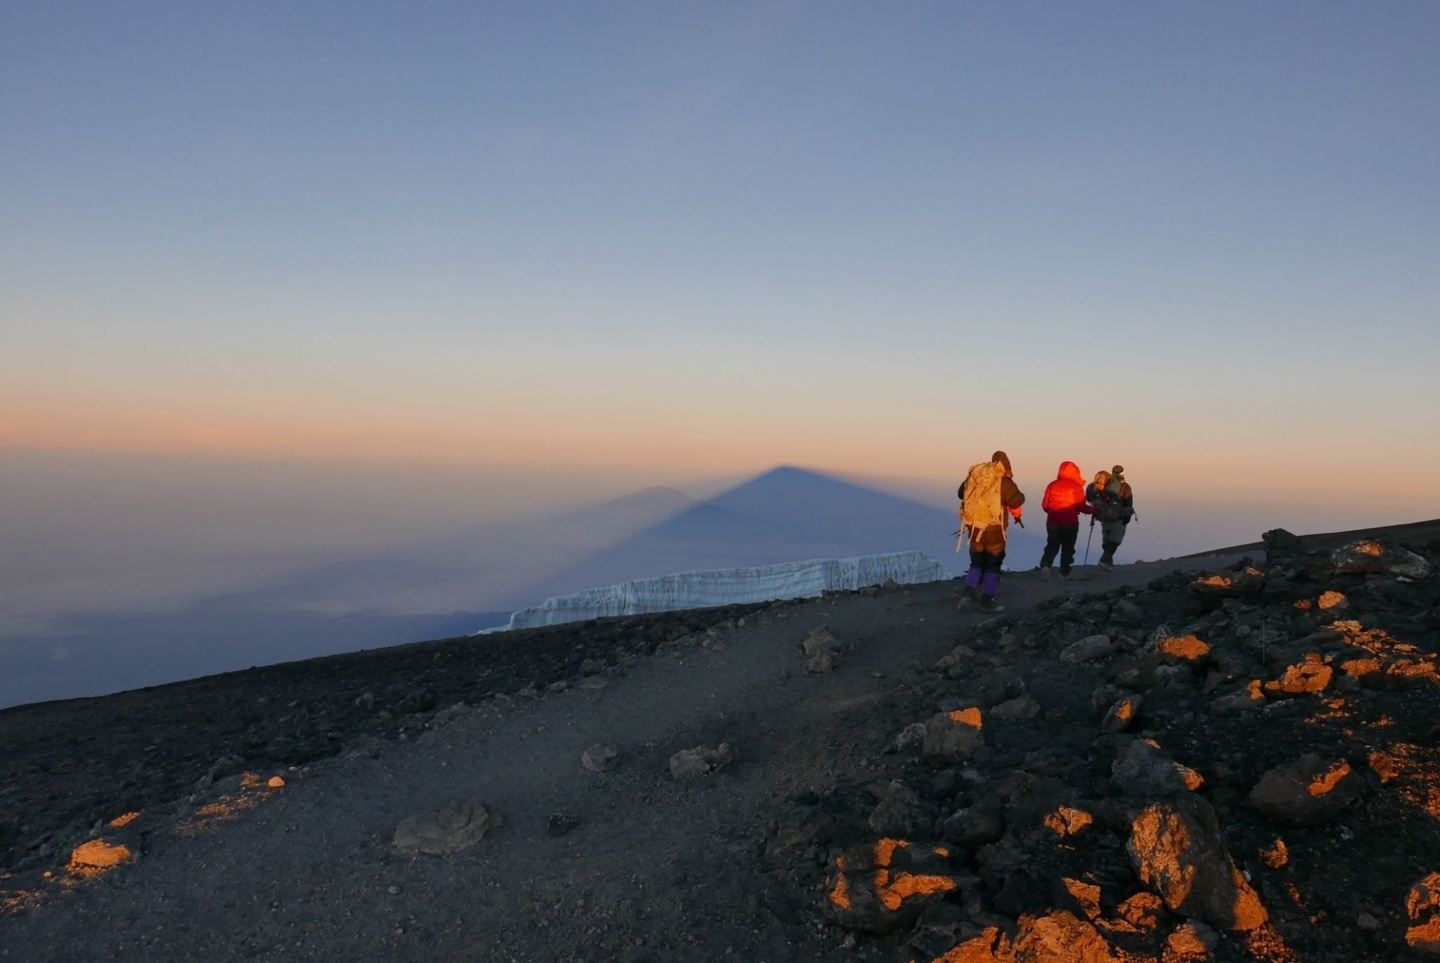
(1064, 502)
(988, 500)
(1113, 502)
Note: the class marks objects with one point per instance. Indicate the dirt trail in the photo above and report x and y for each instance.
(656, 868)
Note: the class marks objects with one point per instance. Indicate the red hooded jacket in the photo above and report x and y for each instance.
(1065, 496)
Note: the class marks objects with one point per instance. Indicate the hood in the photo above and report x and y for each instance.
(1003, 459)
(1069, 471)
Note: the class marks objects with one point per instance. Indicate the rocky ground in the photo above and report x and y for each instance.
(1218, 758)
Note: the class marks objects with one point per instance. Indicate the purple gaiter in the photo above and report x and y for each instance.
(972, 577)
(992, 582)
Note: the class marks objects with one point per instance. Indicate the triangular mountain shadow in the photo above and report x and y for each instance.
(783, 515)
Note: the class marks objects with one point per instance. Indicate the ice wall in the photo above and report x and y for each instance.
(731, 586)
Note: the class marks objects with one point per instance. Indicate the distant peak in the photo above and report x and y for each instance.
(791, 471)
(663, 491)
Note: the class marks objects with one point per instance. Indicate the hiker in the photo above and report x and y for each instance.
(1064, 501)
(1114, 506)
(988, 500)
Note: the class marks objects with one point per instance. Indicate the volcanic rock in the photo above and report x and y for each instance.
(1282, 546)
(1088, 649)
(1019, 708)
(1121, 714)
(1060, 937)
(901, 813)
(1178, 852)
(822, 650)
(1378, 556)
(1182, 649)
(700, 761)
(1422, 905)
(952, 737)
(1306, 792)
(1310, 675)
(601, 757)
(975, 827)
(1143, 770)
(456, 825)
(881, 886)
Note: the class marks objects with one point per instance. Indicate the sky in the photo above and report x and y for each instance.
(529, 253)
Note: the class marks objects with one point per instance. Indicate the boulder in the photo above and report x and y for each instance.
(1186, 649)
(1422, 906)
(901, 812)
(822, 650)
(1282, 546)
(1144, 771)
(1309, 675)
(910, 738)
(1088, 649)
(700, 761)
(458, 824)
(1178, 852)
(881, 886)
(952, 737)
(1249, 696)
(96, 857)
(1378, 556)
(1060, 937)
(974, 827)
(1306, 792)
(1018, 708)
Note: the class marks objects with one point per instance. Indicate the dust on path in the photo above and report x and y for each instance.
(657, 869)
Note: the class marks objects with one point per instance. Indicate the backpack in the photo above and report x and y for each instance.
(981, 507)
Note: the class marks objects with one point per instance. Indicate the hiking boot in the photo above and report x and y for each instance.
(968, 596)
(1108, 566)
(989, 604)
(1045, 572)
(1064, 573)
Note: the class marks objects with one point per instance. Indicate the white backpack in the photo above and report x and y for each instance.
(982, 507)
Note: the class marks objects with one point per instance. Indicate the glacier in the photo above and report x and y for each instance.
(729, 586)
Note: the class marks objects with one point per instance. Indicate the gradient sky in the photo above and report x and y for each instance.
(676, 239)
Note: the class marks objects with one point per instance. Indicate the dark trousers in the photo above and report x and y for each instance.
(987, 561)
(1060, 538)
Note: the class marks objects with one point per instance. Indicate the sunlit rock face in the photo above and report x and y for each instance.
(880, 886)
(1179, 852)
(1309, 791)
(1378, 556)
(1422, 905)
(732, 586)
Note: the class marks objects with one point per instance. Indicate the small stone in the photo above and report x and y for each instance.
(1088, 649)
(1018, 708)
(456, 825)
(275, 782)
(1367, 921)
(601, 757)
(907, 739)
(1122, 714)
(561, 823)
(700, 761)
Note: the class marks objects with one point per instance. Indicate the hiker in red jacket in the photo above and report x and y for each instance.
(1063, 502)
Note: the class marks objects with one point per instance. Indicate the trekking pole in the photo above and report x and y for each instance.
(1089, 538)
